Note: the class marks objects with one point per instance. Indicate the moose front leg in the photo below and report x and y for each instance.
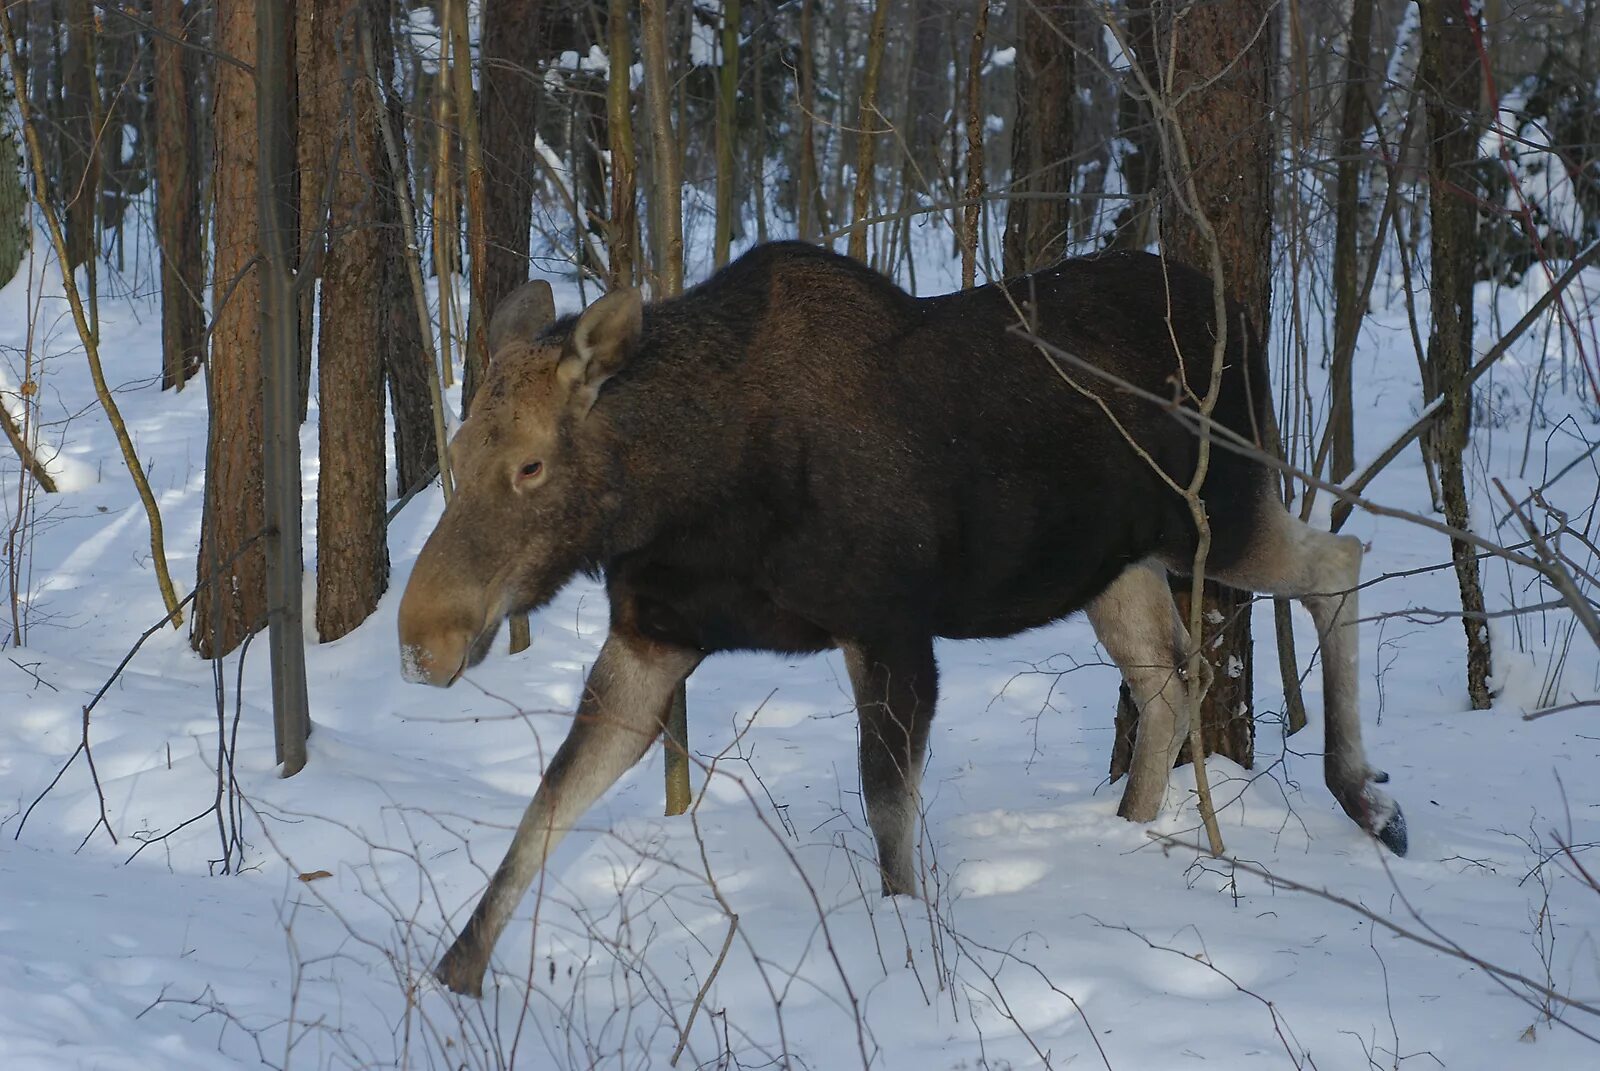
(618, 719)
(896, 685)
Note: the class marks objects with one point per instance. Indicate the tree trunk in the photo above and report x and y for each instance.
(79, 178)
(514, 39)
(352, 553)
(13, 196)
(973, 212)
(312, 146)
(406, 364)
(868, 123)
(1349, 308)
(727, 100)
(278, 388)
(1451, 83)
(667, 217)
(811, 204)
(1222, 105)
(183, 318)
(667, 185)
(235, 604)
(1042, 137)
(1133, 227)
(624, 223)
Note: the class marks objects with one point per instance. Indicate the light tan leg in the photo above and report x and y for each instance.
(618, 719)
(1138, 625)
(1289, 557)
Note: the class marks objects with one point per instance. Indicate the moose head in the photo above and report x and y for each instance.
(530, 466)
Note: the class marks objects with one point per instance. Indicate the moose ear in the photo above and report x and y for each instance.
(521, 315)
(603, 339)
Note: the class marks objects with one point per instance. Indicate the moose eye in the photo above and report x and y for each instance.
(531, 469)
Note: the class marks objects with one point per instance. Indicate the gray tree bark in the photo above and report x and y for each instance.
(1452, 83)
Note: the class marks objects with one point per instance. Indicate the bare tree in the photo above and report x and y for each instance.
(973, 213)
(231, 558)
(13, 198)
(278, 387)
(811, 204)
(667, 221)
(727, 100)
(1042, 136)
(352, 552)
(79, 181)
(1349, 303)
(1452, 84)
(624, 222)
(1221, 104)
(514, 43)
(868, 124)
(667, 186)
(177, 198)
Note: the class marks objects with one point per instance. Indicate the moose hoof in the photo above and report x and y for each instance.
(1378, 814)
(1392, 833)
(461, 972)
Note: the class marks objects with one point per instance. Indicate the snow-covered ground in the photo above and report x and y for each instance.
(1059, 936)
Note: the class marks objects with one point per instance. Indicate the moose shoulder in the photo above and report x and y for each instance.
(797, 455)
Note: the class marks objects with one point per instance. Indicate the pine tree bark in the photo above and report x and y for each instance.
(811, 203)
(515, 34)
(1133, 227)
(352, 554)
(235, 604)
(79, 176)
(667, 214)
(183, 323)
(1349, 309)
(973, 212)
(667, 184)
(275, 210)
(624, 221)
(13, 196)
(1228, 130)
(1452, 83)
(1222, 104)
(312, 140)
(406, 364)
(727, 100)
(868, 123)
(1042, 137)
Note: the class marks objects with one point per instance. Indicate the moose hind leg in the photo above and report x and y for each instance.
(1137, 623)
(1323, 570)
(619, 717)
(896, 686)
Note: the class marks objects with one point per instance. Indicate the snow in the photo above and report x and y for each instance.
(1055, 934)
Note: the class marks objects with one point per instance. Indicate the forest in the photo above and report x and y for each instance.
(251, 256)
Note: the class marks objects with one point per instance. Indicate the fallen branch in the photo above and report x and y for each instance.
(30, 461)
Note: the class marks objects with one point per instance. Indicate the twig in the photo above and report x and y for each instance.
(694, 1009)
(1477, 371)
(83, 743)
(90, 336)
(1502, 974)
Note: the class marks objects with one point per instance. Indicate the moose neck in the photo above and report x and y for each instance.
(671, 433)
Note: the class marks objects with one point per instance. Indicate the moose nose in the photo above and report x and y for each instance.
(438, 662)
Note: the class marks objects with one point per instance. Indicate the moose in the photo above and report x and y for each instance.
(797, 455)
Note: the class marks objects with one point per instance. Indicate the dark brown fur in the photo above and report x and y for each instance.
(797, 455)
(799, 452)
